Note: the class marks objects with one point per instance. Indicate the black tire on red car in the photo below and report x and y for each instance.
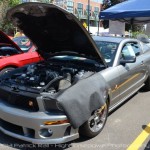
(95, 123)
(6, 70)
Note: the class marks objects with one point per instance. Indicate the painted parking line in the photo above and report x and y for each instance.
(137, 143)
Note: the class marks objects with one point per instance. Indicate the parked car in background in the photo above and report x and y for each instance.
(77, 84)
(11, 37)
(11, 55)
(24, 43)
(143, 38)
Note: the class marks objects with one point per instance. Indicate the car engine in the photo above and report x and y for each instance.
(50, 77)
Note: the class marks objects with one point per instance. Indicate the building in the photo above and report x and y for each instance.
(80, 9)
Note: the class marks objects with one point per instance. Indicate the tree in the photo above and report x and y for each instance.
(109, 3)
(5, 25)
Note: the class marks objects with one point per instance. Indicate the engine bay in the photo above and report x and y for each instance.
(52, 76)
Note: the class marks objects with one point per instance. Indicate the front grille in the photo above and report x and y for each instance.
(11, 127)
(16, 129)
(19, 101)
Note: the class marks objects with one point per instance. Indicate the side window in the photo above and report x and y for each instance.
(136, 48)
(8, 51)
(127, 51)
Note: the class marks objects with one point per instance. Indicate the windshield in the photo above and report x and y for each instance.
(108, 50)
(23, 42)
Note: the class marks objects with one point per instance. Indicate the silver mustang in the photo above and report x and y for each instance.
(79, 81)
(129, 66)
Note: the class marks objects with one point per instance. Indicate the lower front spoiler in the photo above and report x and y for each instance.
(30, 127)
(42, 141)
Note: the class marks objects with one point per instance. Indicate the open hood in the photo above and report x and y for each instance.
(53, 30)
(5, 40)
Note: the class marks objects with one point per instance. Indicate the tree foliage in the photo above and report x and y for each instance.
(4, 6)
(109, 3)
(10, 3)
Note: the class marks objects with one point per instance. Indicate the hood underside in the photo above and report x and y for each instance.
(53, 29)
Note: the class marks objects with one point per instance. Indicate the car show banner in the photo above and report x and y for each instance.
(116, 27)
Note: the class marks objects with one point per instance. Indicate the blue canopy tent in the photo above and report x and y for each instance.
(130, 11)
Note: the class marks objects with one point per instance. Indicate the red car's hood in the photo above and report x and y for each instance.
(5, 40)
(53, 30)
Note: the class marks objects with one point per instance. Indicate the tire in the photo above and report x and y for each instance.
(95, 123)
(147, 82)
(6, 70)
(147, 85)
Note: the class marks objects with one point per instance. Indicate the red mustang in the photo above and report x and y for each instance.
(11, 55)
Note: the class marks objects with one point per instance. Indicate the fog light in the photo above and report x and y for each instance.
(46, 132)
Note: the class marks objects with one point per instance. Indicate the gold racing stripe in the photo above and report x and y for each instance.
(119, 86)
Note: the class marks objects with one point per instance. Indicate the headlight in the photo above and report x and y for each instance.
(52, 105)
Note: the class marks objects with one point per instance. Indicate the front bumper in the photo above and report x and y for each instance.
(28, 126)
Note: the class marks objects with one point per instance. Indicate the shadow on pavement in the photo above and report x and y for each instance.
(126, 101)
(81, 139)
(146, 128)
(147, 146)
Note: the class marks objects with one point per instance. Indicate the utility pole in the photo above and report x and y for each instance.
(88, 15)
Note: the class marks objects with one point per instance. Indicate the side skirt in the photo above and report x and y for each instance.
(124, 99)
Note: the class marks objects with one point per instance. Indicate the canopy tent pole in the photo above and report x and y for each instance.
(131, 22)
(131, 28)
(98, 27)
(88, 15)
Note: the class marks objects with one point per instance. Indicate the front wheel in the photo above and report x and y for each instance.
(147, 82)
(6, 70)
(95, 123)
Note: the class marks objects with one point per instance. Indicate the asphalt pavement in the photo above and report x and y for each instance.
(127, 128)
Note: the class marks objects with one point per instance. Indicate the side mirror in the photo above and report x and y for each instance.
(128, 59)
